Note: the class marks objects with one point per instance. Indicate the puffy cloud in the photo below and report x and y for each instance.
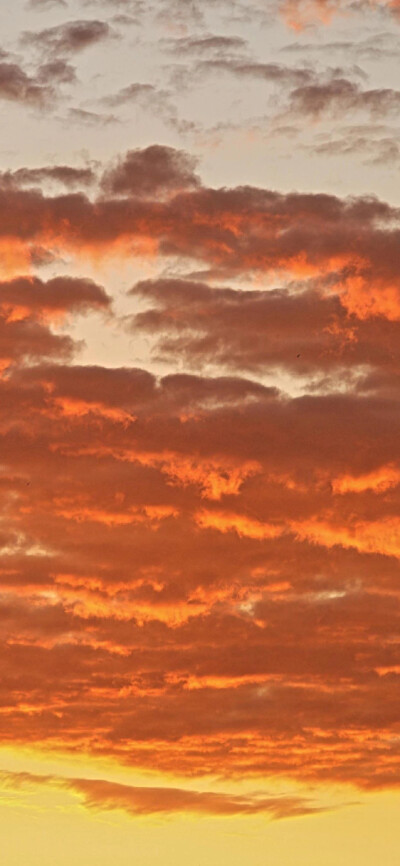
(28, 339)
(154, 171)
(27, 305)
(24, 297)
(232, 231)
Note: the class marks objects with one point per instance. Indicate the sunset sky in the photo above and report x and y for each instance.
(200, 433)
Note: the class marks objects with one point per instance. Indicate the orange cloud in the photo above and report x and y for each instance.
(101, 795)
(379, 480)
(300, 14)
(199, 572)
(377, 536)
(230, 230)
(240, 523)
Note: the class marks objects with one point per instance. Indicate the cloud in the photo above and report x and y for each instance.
(300, 14)
(58, 71)
(375, 47)
(151, 525)
(62, 174)
(277, 73)
(17, 86)
(152, 99)
(132, 93)
(27, 296)
(233, 232)
(99, 794)
(91, 118)
(210, 44)
(377, 143)
(303, 330)
(341, 95)
(27, 305)
(151, 172)
(28, 339)
(69, 38)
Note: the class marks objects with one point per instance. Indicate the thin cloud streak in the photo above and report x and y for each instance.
(99, 794)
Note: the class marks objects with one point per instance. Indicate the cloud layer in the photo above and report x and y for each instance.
(154, 525)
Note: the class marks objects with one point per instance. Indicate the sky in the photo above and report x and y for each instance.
(199, 432)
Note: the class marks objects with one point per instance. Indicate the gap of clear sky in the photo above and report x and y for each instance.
(199, 432)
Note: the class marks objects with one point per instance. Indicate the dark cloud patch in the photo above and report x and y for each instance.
(60, 174)
(69, 38)
(29, 340)
(153, 171)
(58, 71)
(58, 295)
(17, 86)
(348, 244)
(306, 332)
(27, 305)
(272, 72)
(342, 95)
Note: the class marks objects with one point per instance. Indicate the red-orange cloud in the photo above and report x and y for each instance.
(199, 573)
